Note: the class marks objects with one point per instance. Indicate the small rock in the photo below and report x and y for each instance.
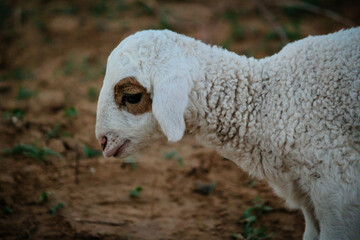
(52, 99)
(57, 145)
(31, 168)
(204, 188)
(7, 179)
(63, 24)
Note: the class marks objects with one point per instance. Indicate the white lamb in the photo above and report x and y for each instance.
(292, 118)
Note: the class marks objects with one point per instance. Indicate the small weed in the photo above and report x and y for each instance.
(99, 9)
(173, 154)
(144, 8)
(70, 112)
(32, 152)
(17, 74)
(55, 132)
(170, 155)
(44, 197)
(68, 67)
(232, 15)
(252, 183)
(134, 193)
(292, 30)
(14, 113)
(90, 153)
(92, 94)
(23, 94)
(55, 209)
(163, 20)
(131, 161)
(85, 69)
(237, 31)
(250, 215)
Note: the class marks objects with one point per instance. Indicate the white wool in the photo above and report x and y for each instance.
(292, 118)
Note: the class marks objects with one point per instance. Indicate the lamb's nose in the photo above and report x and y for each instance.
(103, 143)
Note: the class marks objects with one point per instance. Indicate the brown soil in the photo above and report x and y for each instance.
(58, 52)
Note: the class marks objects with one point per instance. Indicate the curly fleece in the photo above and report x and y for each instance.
(292, 118)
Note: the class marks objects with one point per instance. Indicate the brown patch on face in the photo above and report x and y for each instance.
(130, 95)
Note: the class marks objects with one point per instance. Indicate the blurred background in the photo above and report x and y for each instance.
(54, 183)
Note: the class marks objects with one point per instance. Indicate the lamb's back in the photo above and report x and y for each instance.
(312, 92)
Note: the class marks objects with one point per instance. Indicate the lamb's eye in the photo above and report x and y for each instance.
(131, 98)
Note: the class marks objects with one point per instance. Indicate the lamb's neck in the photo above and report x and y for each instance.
(225, 106)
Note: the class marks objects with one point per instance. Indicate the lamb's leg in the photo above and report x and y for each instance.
(333, 226)
(338, 211)
(311, 224)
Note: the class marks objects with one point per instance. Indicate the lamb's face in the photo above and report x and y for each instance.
(125, 123)
(142, 97)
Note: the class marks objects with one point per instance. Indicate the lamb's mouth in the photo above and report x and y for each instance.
(121, 148)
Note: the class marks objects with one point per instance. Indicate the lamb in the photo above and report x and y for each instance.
(292, 119)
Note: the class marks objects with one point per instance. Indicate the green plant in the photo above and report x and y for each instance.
(70, 112)
(16, 112)
(54, 132)
(164, 21)
(44, 197)
(251, 214)
(90, 153)
(55, 209)
(69, 67)
(134, 193)
(32, 152)
(99, 9)
(237, 31)
(173, 154)
(144, 8)
(17, 74)
(23, 94)
(92, 94)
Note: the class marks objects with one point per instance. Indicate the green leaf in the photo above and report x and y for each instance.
(32, 151)
(54, 209)
(92, 94)
(90, 153)
(48, 151)
(180, 161)
(170, 155)
(55, 132)
(70, 112)
(134, 193)
(16, 112)
(44, 197)
(23, 94)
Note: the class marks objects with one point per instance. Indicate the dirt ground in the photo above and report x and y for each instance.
(52, 63)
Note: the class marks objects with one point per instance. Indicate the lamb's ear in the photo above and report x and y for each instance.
(169, 104)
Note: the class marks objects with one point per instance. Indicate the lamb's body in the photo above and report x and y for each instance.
(292, 118)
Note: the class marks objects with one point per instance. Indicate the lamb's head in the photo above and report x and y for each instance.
(144, 93)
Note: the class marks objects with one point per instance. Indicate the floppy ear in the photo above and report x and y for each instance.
(169, 104)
